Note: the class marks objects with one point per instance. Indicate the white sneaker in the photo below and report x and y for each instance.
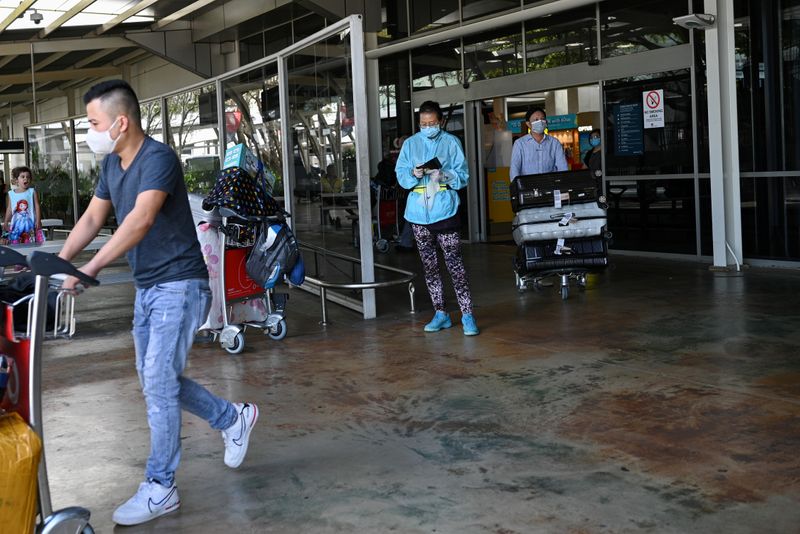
(237, 435)
(152, 500)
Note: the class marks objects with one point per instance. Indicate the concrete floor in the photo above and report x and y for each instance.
(664, 399)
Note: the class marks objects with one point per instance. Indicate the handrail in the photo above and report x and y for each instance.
(323, 285)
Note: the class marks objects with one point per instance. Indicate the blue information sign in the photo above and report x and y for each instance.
(515, 125)
(562, 122)
(628, 129)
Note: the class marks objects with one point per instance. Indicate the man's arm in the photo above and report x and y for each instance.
(516, 160)
(561, 160)
(132, 230)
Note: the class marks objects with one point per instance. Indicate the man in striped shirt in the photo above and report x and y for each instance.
(538, 152)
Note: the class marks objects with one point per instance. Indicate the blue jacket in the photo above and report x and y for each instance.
(419, 149)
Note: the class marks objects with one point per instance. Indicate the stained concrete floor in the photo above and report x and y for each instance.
(664, 399)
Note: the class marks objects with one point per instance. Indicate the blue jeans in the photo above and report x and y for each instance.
(165, 319)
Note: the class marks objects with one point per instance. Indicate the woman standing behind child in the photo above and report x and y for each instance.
(23, 217)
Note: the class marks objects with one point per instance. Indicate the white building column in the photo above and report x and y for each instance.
(723, 136)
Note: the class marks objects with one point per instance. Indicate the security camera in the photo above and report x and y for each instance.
(36, 17)
(695, 21)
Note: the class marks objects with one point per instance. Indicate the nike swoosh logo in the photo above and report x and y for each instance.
(151, 502)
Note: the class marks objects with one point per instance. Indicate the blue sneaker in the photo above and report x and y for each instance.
(440, 321)
(470, 327)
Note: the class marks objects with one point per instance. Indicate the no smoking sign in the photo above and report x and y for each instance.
(653, 108)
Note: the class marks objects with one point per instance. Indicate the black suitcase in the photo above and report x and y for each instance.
(584, 253)
(536, 190)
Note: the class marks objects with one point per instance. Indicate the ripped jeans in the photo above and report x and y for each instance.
(165, 319)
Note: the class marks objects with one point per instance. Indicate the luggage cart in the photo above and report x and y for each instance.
(572, 260)
(385, 216)
(24, 393)
(243, 303)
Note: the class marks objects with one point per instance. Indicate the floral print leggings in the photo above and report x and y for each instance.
(450, 243)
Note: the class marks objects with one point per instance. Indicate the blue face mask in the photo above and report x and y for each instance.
(430, 131)
(594, 141)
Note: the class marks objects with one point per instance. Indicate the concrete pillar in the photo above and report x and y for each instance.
(723, 141)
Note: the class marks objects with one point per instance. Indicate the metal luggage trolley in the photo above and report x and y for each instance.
(237, 236)
(385, 215)
(24, 393)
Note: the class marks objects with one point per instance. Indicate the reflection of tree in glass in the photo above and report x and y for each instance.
(185, 107)
(151, 117)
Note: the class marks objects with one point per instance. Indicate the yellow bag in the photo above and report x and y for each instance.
(20, 450)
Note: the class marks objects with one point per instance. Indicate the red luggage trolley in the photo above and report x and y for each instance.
(24, 349)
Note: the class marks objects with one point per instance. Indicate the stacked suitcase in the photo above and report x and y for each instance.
(559, 227)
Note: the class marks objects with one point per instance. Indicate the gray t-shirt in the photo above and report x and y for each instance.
(170, 250)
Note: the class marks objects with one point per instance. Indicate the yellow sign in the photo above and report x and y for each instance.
(499, 195)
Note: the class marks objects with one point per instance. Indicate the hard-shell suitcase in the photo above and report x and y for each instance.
(547, 223)
(584, 253)
(535, 190)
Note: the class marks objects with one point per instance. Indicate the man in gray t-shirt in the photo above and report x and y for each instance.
(142, 181)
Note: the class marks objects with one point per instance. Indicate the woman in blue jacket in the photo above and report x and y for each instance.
(432, 210)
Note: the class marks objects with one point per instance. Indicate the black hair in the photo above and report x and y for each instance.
(532, 110)
(595, 131)
(429, 106)
(117, 96)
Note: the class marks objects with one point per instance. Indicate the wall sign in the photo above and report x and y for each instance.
(562, 122)
(628, 132)
(653, 108)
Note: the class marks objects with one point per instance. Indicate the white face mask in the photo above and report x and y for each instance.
(539, 126)
(101, 143)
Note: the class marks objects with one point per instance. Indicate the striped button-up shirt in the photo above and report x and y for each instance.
(530, 157)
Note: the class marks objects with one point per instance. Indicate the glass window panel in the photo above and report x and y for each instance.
(276, 39)
(395, 87)
(437, 65)
(771, 218)
(790, 52)
(251, 48)
(307, 25)
(630, 27)
(323, 146)
(151, 119)
(561, 39)
(652, 215)
(632, 149)
(493, 54)
(88, 166)
(51, 163)
(471, 9)
(252, 117)
(193, 125)
(433, 14)
(394, 19)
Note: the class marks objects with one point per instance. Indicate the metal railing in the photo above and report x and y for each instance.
(323, 286)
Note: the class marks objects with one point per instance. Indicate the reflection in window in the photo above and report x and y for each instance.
(433, 14)
(652, 215)
(630, 27)
(494, 54)
(471, 9)
(437, 65)
(561, 39)
(790, 52)
(88, 163)
(771, 217)
(193, 125)
(323, 143)
(151, 119)
(394, 19)
(51, 164)
(633, 149)
(252, 117)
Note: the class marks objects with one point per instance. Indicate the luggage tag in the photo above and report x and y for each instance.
(556, 198)
(559, 246)
(567, 218)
